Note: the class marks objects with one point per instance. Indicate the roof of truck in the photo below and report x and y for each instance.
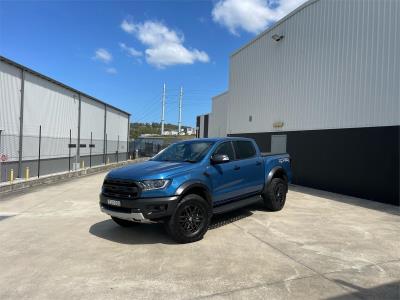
(233, 138)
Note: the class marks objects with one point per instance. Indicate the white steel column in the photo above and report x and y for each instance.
(163, 111)
(180, 111)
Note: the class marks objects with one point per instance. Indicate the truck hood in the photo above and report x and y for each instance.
(151, 170)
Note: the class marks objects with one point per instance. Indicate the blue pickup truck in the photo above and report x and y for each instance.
(188, 182)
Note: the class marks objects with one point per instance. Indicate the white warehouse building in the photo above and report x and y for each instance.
(323, 84)
(50, 127)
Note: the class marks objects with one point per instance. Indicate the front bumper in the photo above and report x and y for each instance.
(140, 210)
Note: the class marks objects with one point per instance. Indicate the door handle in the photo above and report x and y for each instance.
(236, 168)
(258, 163)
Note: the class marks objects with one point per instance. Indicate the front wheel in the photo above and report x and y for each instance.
(275, 196)
(190, 220)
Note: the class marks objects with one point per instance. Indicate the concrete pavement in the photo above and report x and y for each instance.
(55, 244)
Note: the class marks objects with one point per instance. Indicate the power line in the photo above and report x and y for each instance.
(193, 97)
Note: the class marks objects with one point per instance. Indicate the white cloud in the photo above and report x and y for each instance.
(165, 46)
(131, 51)
(127, 26)
(111, 71)
(102, 55)
(251, 15)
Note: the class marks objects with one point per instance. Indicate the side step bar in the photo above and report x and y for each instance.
(236, 204)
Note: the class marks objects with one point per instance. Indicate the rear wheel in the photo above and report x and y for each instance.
(124, 223)
(275, 196)
(190, 220)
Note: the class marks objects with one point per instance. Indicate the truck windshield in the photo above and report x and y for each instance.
(184, 152)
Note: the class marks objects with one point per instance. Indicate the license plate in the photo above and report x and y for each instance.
(113, 202)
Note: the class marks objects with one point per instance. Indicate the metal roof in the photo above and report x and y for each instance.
(11, 62)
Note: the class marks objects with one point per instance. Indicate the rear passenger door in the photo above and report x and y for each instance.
(249, 167)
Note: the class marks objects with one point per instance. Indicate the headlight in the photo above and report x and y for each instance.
(157, 184)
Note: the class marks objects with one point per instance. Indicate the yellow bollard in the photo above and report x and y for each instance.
(130, 157)
(83, 164)
(108, 160)
(11, 175)
(27, 173)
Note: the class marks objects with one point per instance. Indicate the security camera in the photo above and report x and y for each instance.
(277, 37)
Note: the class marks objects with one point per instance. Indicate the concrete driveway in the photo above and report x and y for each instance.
(55, 244)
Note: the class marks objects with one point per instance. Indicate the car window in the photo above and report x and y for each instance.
(185, 151)
(226, 149)
(244, 149)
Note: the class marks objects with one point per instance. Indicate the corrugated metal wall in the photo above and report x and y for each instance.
(338, 66)
(10, 104)
(203, 125)
(51, 106)
(117, 130)
(92, 124)
(219, 115)
(54, 108)
(201, 128)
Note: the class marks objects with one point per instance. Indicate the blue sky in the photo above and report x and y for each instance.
(123, 51)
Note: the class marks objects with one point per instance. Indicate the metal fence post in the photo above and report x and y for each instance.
(69, 152)
(78, 144)
(40, 143)
(127, 138)
(117, 148)
(105, 135)
(21, 123)
(90, 150)
(106, 156)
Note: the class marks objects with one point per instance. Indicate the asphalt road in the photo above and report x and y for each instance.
(55, 244)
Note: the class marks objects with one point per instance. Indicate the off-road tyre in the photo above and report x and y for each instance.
(275, 195)
(190, 220)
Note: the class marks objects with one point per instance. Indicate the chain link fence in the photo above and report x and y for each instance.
(42, 155)
(149, 146)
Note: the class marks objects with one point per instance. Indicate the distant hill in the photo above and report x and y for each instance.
(138, 129)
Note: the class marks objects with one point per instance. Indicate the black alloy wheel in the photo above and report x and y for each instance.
(275, 195)
(190, 220)
(280, 192)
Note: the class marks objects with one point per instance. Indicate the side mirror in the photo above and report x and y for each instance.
(219, 159)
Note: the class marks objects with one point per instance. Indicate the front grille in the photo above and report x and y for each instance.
(117, 209)
(125, 189)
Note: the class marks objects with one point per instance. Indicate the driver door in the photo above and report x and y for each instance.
(225, 177)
